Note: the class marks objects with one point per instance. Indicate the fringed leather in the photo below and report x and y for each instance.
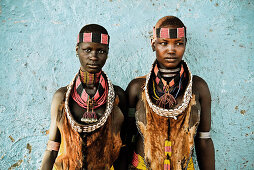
(103, 145)
(155, 134)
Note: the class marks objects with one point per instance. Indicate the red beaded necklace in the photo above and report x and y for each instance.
(83, 99)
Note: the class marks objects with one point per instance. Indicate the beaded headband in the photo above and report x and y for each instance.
(93, 37)
(169, 33)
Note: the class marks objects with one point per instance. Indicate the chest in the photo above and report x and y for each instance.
(78, 112)
(194, 109)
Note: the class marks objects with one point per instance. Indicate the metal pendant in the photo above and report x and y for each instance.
(89, 116)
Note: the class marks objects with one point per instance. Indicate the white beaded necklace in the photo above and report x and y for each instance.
(91, 127)
(170, 112)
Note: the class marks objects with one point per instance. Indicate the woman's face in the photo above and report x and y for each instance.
(92, 56)
(169, 52)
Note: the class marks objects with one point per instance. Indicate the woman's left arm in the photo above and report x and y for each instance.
(203, 141)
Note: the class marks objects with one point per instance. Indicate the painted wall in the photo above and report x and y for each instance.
(37, 50)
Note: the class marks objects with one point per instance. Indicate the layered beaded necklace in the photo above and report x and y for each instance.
(171, 112)
(165, 93)
(86, 101)
(102, 120)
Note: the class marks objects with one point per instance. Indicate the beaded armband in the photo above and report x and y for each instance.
(53, 146)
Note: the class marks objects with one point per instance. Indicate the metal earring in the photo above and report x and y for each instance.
(76, 54)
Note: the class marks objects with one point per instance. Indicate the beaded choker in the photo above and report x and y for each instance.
(170, 112)
(90, 103)
(102, 120)
(88, 78)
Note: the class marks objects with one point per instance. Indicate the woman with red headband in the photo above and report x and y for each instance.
(87, 115)
(172, 108)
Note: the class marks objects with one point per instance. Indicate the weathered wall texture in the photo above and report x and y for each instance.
(37, 42)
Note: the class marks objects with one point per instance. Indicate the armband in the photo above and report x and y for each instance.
(53, 146)
(204, 135)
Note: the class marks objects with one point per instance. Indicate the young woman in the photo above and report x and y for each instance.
(87, 115)
(171, 106)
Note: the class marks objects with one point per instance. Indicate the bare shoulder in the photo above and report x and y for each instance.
(122, 98)
(200, 86)
(60, 93)
(57, 100)
(136, 85)
(134, 90)
(119, 91)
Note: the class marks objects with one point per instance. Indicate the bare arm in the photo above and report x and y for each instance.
(204, 147)
(121, 162)
(54, 133)
(133, 92)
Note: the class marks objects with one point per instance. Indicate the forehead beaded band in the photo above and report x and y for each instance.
(169, 33)
(93, 37)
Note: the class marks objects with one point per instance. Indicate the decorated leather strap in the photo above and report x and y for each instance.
(168, 152)
(138, 162)
(53, 146)
(93, 37)
(169, 33)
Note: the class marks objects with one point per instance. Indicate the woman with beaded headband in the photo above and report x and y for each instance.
(87, 115)
(170, 107)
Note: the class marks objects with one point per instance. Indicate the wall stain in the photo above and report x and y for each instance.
(236, 108)
(22, 21)
(46, 132)
(12, 139)
(210, 30)
(29, 147)
(216, 4)
(17, 164)
(242, 46)
(243, 112)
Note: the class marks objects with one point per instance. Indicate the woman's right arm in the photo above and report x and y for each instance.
(133, 90)
(54, 133)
